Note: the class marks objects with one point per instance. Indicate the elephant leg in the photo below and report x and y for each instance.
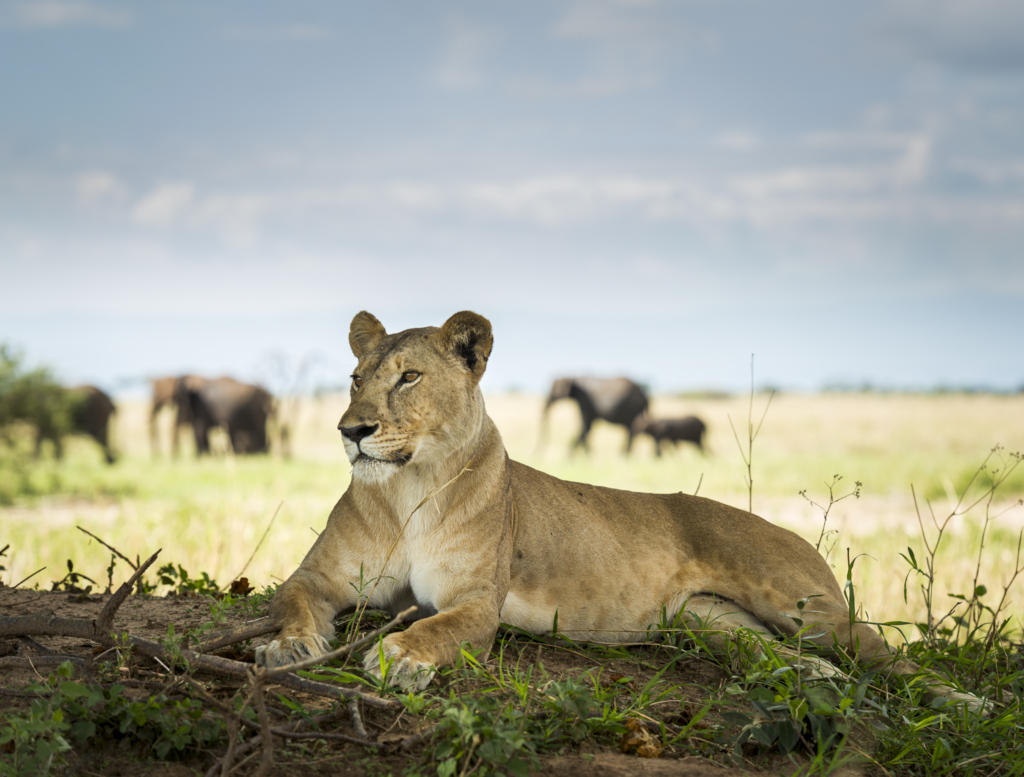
(581, 441)
(100, 436)
(629, 439)
(154, 443)
(202, 437)
(657, 447)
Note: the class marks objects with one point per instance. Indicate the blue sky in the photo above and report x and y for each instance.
(658, 189)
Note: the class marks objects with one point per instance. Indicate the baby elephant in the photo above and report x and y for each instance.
(676, 430)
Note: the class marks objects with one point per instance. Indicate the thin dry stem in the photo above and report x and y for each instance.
(387, 558)
(260, 543)
(110, 547)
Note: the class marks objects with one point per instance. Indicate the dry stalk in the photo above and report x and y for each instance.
(260, 543)
(109, 547)
(748, 456)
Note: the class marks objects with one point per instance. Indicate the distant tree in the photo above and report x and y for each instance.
(33, 397)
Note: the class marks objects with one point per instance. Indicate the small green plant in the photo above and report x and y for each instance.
(34, 741)
(177, 577)
(833, 500)
(70, 581)
(84, 711)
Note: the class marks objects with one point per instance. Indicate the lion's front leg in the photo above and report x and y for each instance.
(411, 657)
(306, 613)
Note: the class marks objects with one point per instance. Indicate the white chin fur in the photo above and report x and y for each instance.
(373, 470)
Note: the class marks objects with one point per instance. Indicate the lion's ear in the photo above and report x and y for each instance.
(365, 333)
(467, 336)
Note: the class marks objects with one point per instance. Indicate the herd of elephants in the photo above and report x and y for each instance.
(244, 410)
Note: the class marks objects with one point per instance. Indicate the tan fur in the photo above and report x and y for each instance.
(508, 543)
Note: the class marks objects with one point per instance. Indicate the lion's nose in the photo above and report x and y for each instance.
(357, 433)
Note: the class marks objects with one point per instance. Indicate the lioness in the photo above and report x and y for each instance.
(504, 542)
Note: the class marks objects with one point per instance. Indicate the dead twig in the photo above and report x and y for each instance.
(28, 578)
(329, 735)
(226, 666)
(242, 633)
(357, 718)
(111, 548)
(106, 617)
(41, 649)
(257, 677)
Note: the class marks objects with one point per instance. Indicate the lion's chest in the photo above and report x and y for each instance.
(417, 571)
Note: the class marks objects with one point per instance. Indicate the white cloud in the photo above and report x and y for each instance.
(908, 166)
(461, 65)
(68, 13)
(164, 205)
(99, 185)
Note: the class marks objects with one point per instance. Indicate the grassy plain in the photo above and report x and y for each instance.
(209, 515)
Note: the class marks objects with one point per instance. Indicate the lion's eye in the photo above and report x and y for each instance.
(410, 377)
(357, 381)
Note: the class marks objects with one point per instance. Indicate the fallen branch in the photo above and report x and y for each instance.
(100, 630)
(23, 662)
(238, 669)
(97, 630)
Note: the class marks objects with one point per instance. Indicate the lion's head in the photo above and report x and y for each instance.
(415, 396)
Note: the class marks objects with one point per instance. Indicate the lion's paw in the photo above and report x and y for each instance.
(402, 668)
(290, 650)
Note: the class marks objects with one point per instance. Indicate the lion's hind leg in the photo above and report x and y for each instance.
(717, 624)
(714, 622)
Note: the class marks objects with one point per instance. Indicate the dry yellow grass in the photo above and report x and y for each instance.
(210, 515)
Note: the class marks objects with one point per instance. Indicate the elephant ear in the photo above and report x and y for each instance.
(365, 334)
(467, 337)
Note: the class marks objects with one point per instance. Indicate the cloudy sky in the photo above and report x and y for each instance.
(659, 189)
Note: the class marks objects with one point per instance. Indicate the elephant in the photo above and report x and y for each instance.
(241, 409)
(675, 430)
(615, 400)
(164, 390)
(89, 411)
